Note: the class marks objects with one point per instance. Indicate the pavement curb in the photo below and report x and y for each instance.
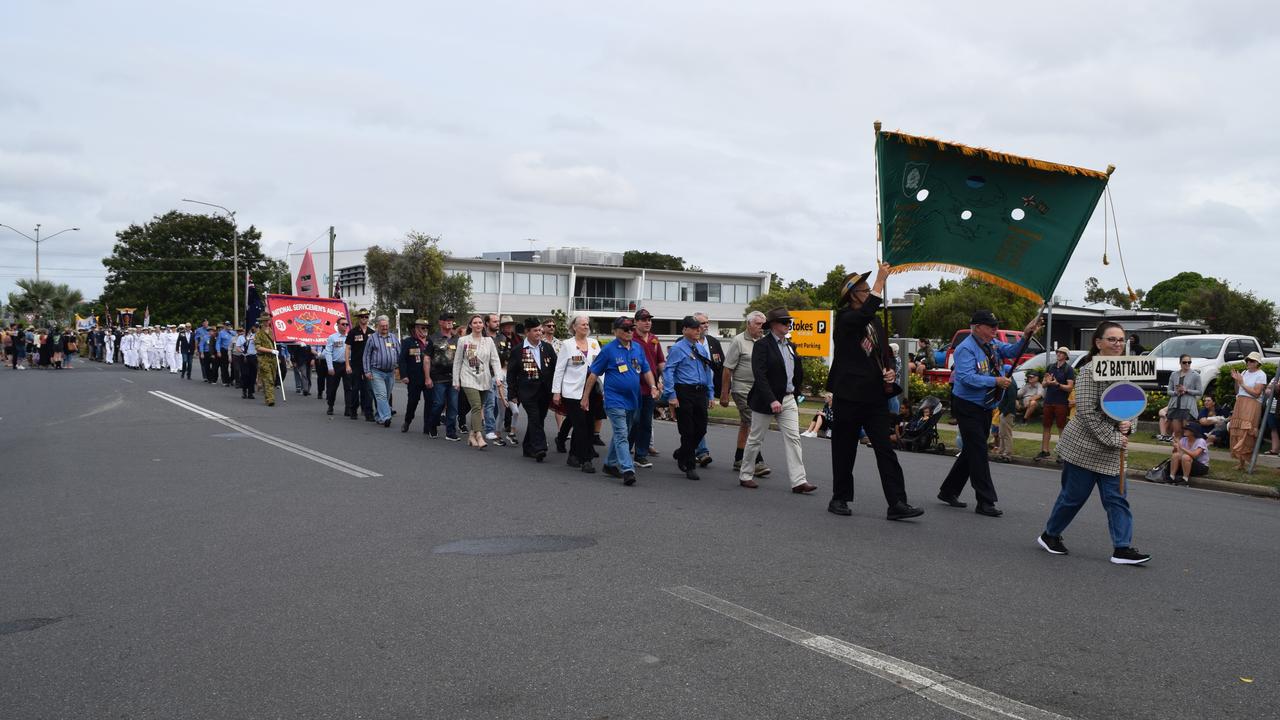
(1203, 483)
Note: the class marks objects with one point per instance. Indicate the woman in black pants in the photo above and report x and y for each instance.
(572, 366)
(860, 373)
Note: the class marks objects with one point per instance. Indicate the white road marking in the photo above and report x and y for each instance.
(308, 453)
(127, 380)
(967, 700)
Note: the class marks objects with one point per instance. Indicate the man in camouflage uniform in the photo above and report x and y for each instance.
(265, 345)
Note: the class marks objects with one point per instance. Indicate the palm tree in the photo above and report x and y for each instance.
(49, 302)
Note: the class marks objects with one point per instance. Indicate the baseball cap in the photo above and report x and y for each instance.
(984, 317)
(622, 322)
(643, 314)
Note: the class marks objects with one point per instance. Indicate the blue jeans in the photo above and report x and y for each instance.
(381, 387)
(444, 397)
(1077, 485)
(620, 420)
(491, 409)
(642, 428)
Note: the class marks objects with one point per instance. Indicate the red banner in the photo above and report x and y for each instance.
(304, 320)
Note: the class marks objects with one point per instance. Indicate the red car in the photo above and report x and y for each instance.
(1013, 337)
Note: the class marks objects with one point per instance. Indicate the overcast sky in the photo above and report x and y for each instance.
(735, 134)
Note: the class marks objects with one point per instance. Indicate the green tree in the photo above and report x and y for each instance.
(51, 303)
(790, 298)
(950, 308)
(273, 277)
(826, 294)
(180, 265)
(1225, 310)
(414, 277)
(1094, 293)
(562, 324)
(652, 260)
(1168, 295)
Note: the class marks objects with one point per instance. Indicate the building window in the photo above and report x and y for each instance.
(522, 284)
(508, 281)
(713, 292)
(535, 283)
(673, 291)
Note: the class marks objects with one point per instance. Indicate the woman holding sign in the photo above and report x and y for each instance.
(1091, 448)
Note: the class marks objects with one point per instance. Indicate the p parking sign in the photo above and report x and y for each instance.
(811, 332)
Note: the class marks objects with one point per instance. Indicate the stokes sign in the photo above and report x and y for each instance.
(304, 320)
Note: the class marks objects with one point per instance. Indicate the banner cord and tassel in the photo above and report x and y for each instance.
(1108, 203)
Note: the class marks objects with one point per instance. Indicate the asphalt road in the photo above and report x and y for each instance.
(157, 563)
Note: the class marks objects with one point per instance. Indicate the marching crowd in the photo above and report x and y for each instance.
(480, 377)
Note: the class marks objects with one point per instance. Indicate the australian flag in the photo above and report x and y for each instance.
(253, 306)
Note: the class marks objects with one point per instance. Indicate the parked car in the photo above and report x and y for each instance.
(1038, 363)
(1208, 354)
(1013, 337)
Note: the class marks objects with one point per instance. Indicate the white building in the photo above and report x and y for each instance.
(530, 287)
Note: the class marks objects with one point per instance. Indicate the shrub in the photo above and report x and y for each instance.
(1156, 399)
(918, 390)
(815, 374)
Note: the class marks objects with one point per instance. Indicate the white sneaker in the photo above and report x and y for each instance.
(490, 436)
(808, 433)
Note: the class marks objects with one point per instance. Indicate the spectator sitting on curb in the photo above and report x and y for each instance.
(1190, 456)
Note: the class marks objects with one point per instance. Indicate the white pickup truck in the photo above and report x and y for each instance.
(1208, 354)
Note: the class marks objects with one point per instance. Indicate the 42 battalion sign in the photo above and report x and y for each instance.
(1127, 368)
(811, 332)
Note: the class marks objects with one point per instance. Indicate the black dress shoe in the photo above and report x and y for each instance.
(595, 440)
(587, 467)
(386, 423)
(560, 448)
(691, 473)
(988, 510)
(573, 462)
(902, 511)
(612, 470)
(329, 411)
(839, 507)
(952, 500)
(404, 427)
(628, 478)
(539, 455)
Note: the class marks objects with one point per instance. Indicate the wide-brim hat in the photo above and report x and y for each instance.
(506, 320)
(1254, 356)
(264, 317)
(778, 314)
(362, 313)
(422, 321)
(851, 281)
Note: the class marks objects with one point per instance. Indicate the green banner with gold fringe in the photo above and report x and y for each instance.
(1008, 220)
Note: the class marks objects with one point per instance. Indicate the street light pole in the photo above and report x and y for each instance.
(37, 240)
(235, 259)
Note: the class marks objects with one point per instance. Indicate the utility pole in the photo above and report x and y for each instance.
(333, 282)
(37, 240)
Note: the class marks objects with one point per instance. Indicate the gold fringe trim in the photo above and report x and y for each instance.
(993, 155)
(962, 270)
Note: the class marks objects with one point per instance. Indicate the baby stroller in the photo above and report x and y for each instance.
(921, 431)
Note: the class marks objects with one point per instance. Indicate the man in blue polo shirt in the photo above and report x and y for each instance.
(223, 349)
(978, 360)
(621, 364)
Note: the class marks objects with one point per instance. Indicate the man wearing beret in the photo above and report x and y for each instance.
(977, 360)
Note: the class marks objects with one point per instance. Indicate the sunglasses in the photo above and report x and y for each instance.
(626, 328)
(1186, 362)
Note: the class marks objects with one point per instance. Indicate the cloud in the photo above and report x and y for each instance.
(532, 176)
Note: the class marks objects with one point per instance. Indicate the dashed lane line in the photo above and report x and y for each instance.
(308, 453)
(967, 700)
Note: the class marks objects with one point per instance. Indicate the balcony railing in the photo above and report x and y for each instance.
(601, 304)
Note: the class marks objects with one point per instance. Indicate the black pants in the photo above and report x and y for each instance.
(331, 383)
(851, 418)
(224, 366)
(418, 393)
(248, 374)
(236, 369)
(579, 422)
(972, 465)
(691, 421)
(322, 372)
(206, 366)
(535, 434)
(361, 400)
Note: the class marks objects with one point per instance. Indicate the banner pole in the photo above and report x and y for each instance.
(280, 374)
